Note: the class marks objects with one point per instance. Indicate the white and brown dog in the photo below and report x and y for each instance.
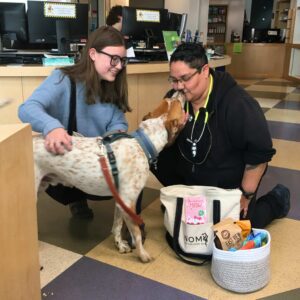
(80, 167)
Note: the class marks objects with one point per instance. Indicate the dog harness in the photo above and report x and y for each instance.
(105, 169)
(107, 140)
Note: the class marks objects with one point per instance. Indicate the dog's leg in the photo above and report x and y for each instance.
(136, 233)
(121, 244)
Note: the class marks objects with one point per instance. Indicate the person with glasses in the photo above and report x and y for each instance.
(101, 103)
(225, 142)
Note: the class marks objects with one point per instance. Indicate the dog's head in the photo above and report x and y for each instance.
(173, 114)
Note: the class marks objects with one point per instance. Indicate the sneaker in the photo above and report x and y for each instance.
(282, 196)
(80, 210)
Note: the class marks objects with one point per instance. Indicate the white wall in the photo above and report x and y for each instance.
(197, 11)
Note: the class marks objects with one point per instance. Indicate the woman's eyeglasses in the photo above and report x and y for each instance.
(116, 59)
(183, 79)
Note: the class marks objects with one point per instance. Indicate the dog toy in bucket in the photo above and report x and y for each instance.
(243, 271)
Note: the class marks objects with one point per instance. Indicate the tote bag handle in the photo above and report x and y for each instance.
(173, 242)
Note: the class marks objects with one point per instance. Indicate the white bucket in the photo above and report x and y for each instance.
(242, 271)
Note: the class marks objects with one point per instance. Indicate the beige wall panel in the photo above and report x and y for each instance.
(133, 102)
(151, 90)
(19, 265)
(10, 88)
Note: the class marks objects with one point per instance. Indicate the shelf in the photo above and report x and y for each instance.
(282, 14)
(217, 23)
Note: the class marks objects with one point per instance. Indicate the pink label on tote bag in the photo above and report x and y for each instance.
(195, 210)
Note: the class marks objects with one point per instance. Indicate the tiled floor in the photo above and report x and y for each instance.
(81, 262)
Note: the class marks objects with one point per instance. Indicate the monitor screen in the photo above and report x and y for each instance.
(142, 24)
(177, 22)
(13, 25)
(51, 31)
(147, 4)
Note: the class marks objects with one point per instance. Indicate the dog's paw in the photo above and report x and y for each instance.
(145, 257)
(123, 246)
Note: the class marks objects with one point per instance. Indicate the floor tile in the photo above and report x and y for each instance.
(57, 227)
(93, 280)
(154, 245)
(287, 154)
(290, 295)
(283, 115)
(153, 183)
(247, 81)
(297, 90)
(288, 105)
(54, 261)
(275, 80)
(243, 85)
(270, 88)
(284, 131)
(264, 109)
(293, 97)
(289, 178)
(264, 94)
(267, 102)
(277, 83)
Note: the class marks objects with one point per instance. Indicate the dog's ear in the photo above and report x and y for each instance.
(175, 111)
(174, 122)
(162, 108)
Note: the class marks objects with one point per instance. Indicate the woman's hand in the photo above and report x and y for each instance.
(57, 141)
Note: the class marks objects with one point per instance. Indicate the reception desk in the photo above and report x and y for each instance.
(147, 84)
(257, 60)
(19, 261)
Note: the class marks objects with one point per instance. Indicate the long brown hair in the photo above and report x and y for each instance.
(115, 92)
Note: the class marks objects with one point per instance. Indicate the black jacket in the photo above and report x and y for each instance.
(236, 134)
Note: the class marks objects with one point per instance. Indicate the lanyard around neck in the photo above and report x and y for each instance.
(205, 104)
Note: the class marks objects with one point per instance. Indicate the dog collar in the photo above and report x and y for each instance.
(146, 145)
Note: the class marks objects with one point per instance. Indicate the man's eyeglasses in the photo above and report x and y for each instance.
(183, 79)
(116, 59)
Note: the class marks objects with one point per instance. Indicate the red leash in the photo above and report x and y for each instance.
(105, 169)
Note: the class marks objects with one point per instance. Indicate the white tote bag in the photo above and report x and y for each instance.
(196, 241)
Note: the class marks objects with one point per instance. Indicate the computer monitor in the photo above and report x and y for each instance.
(177, 22)
(52, 31)
(144, 24)
(13, 25)
(273, 35)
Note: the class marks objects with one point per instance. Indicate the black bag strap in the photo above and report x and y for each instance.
(72, 124)
(190, 259)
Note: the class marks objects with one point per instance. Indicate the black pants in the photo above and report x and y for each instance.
(66, 195)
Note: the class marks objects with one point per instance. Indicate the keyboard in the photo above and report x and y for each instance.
(133, 60)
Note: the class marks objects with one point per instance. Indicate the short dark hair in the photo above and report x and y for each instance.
(194, 55)
(114, 15)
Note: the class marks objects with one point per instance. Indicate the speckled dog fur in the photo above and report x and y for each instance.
(80, 167)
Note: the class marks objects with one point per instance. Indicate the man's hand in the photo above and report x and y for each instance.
(57, 141)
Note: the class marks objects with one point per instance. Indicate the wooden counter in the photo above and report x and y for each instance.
(147, 84)
(257, 60)
(19, 260)
(292, 63)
